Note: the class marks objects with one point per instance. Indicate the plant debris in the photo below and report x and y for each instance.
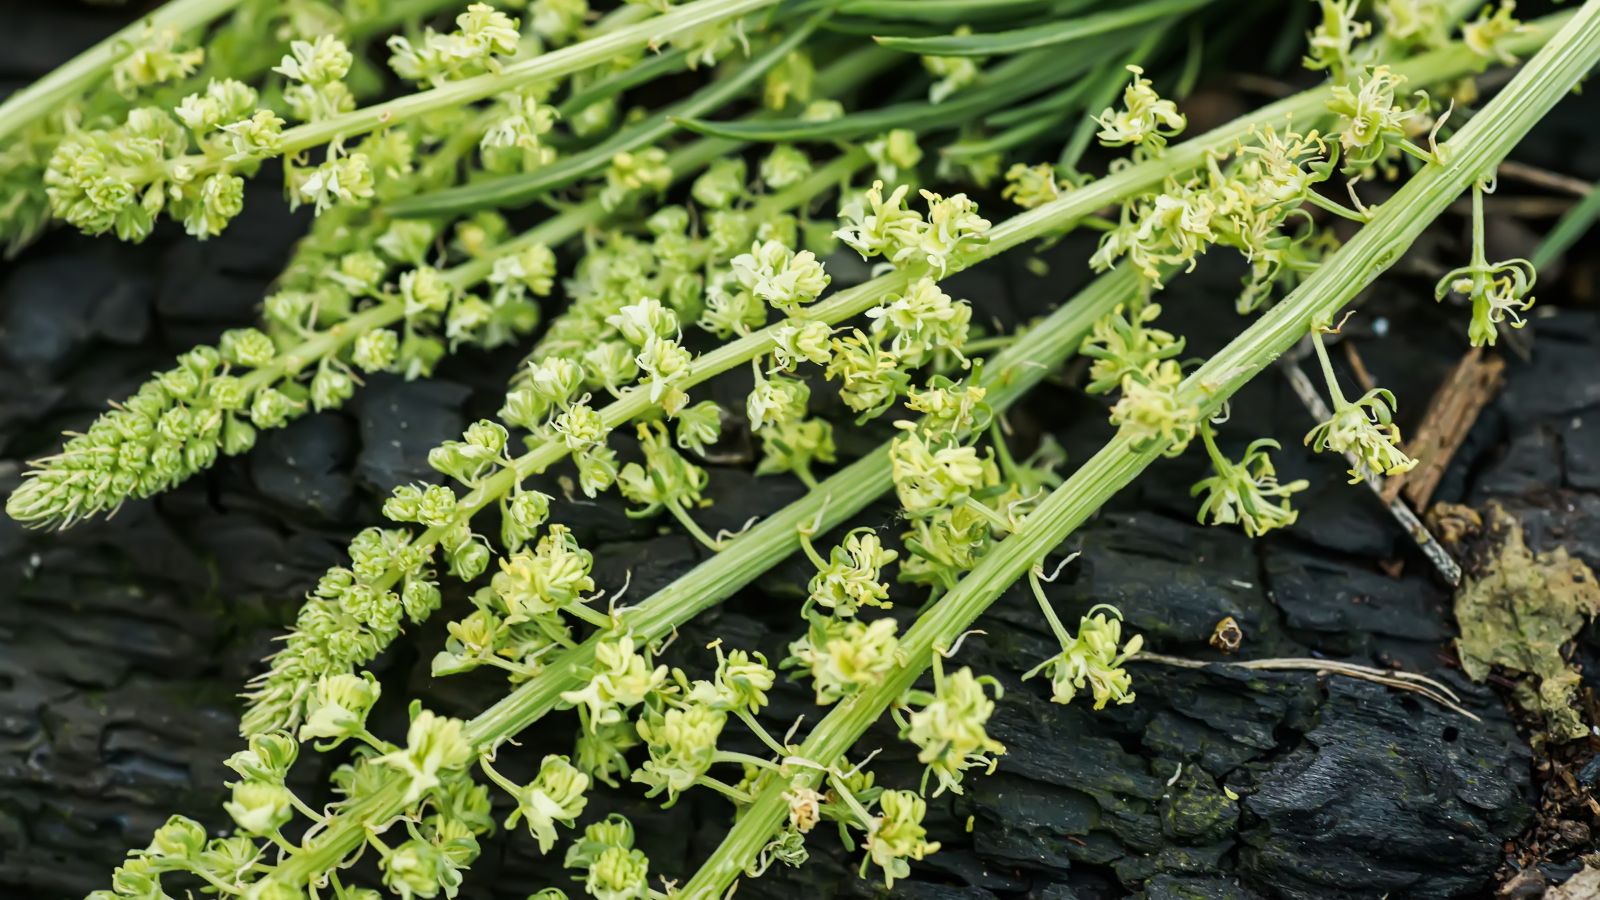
(1517, 609)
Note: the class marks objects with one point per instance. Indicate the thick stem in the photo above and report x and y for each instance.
(1476, 149)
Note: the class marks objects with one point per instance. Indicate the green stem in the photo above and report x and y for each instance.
(1335, 207)
(1047, 219)
(592, 616)
(761, 733)
(694, 529)
(1048, 34)
(1060, 630)
(810, 550)
(1480, 255)
(1208, 434)
(744, 759)
(802, 471)
(53, 90)
(996, 521)
(846, 492)
(651, 32)
(1339, 402)
(1007, 377)
(553, 231)
(1476, 149)
(739, 798)
(491, 489)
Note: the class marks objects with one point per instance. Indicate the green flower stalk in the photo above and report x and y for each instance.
(148, 64)
(317, 646)
(1500, 292)
(1480, 145)
(566, 679)
(223, 397)
(417, 805)
(121, 179)
(91, 66)
(279, 693)
(1247, 492)
(34, 120)
(1092, 658)
(321, 344)
(1363, 428)
(218, 399)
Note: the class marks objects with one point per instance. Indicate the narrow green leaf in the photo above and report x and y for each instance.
(1013, 80)
(1063, 99)
(640, 73)
(1044, 123)
(1574, 224)
(1050, 34)
(953, 12)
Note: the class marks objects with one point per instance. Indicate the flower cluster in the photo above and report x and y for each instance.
(948, 729)
(212, 403)
(1247, 492)
(1145, 121)
(1364, 427)
(1375, 126)
(844, 655)
(1030, 186)
(896, 836)
(665, 480)
(1240, 200)
(446, 812)
(848, 579)
(358, 610)
(189, 161)
(1486, 34)
(1123, 345)
(1332, 44)
(557, 795)
(1093, 658)
(613, 869)
(156, 58)
(1153, 411)
(955, 497)
(1500, 292)
(337, 708)
(483, 35)
(325, 327)
(517, 620)
(622, 677)
(351, 615)
(878, 226)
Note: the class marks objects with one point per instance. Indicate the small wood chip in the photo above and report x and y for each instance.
(1451, 414)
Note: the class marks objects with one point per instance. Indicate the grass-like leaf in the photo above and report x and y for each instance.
(1049, 34)
(957, 12)
(1010, 81)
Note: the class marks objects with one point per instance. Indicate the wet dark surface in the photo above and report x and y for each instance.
(123, 642)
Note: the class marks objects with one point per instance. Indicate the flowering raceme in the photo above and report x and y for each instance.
(661, 261)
